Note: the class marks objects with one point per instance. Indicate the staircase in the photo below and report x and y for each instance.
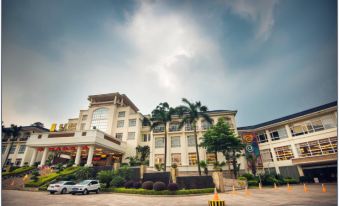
(13, 183)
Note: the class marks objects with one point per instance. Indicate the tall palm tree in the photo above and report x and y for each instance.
(190, 114)
(13, 132)
(162, 115)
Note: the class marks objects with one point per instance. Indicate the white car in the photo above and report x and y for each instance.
(86, 186)
(62, 187)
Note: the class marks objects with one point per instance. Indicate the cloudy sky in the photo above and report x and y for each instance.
(264, 58)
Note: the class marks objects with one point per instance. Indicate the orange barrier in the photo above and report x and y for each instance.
(323, 189)
(216, 201)
(305, 188)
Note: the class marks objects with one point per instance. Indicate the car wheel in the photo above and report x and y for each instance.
(63, 191)
(85, 192)
(52, 193)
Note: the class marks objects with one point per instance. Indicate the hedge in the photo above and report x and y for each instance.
(18, 171)
(163, 192)
(45, 179)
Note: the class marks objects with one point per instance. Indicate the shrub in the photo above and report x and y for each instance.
(124, 172)
(159, 186)
(117, 181)
(35, 175)
(172, 187)
(106, 176)
(164, 192)
(174, 165)
(70, 163)
(291, 181)
(59, 167)
(253, 182)
(242, 178)
(148, 185)
(137, 185)
(85, 173)
(248, 176)
(129, 184)
(69, 177)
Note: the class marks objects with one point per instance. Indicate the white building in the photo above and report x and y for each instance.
(110, 130)
(301, 144)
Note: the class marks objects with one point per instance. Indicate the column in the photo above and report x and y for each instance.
(300, 170)
(5, 155)
(90, 156)
(77, 157)
(275, 161)
(288, 130)
(44, 157)
(24, 157)
(35, 152)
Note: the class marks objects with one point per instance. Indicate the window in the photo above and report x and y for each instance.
(12, 150)
(159, 159)
(174, 127)
(159, 142)
(9, 162)
(99, 119)
(17, 162)
(191, 141)
(283, 153)
(278, 134)
(132, 122)
(192, 158)
(22, 149)
(3, 149)
(176, 158)
(318, 147)
(159, 128)
(131, 135)
(188, 127)
(266, 155)
(121, 114)
(205, 125)
(82, 126)
(119, 136)
(146, 138)
(210, 157)
(120, 123)
(262, 137)
(175, 141)
(328, 123)
(84, 117)
(312, 126)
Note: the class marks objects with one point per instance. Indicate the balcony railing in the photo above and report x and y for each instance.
(174, 128)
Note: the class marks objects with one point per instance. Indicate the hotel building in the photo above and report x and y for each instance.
(301, 144)
(110, 130)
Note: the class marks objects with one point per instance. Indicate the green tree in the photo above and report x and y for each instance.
(252, 159)
(162, 115)
(106, 176)
(190, 114)
(143, 153)
(203, 165)
(13, 133)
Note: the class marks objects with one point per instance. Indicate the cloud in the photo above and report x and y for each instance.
(260, 12)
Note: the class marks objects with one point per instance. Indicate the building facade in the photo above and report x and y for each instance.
(15, 149)
(301, 144)
(112, 127)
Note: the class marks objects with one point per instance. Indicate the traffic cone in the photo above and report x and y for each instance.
(323, 188)
(215, 196)
(260, 187)
(233, 191)
(216, 201)
(305, 188)
(289, 188)
(275, 186)
(247, 192)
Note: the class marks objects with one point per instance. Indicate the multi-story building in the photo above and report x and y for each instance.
(110, 130)
(14, 149)
(301, 144)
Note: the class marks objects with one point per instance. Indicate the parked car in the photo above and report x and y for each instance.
(86, 186)
(62, 187)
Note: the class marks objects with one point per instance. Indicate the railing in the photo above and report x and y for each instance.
(158, 130)
(61, 134)
(174, 129)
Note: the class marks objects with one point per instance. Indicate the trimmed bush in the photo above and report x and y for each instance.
(159, 186)
(85, 173)
(129, 184)
(172, 187)
(117, 181)
(242, 178)
(137, 185)
(253, 182)
(291, 181)
(106, 176)
(148, 185)
(248, 176)
(18, 171)
(164, 192)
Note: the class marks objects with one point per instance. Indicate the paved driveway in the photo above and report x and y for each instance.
(266, 196)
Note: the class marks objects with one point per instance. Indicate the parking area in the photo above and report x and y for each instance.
(266, 196)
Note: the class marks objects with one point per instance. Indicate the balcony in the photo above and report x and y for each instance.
(315, 159)
(174, 128)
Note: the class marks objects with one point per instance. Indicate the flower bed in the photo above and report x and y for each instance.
(17, 171)
(45, 179)
(163, 192)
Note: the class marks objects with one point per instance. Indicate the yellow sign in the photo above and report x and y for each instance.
(53, 127)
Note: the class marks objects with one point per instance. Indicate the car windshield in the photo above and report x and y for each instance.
(85, 182)
(60, 183)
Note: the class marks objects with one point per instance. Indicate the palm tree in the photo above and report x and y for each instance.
(13, 132)
(190, 114)
(143, 152)
(162, 115)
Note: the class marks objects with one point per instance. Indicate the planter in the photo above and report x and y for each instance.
(218, 180)
(142, 171)
(174, 174)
